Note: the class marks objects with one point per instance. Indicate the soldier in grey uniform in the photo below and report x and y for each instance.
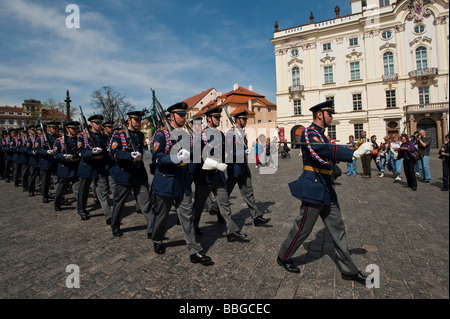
(318, 197)
(210, 174)
(238, 170)
(172, 183)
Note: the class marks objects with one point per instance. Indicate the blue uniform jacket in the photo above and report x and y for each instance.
(171, 180)
(33, 159)
(314, 185)
(92, 165)
(24, 144)
(206, 177)
(66, 168)
(46, 161)
(125, 168)
(13, 149)
(236, 159)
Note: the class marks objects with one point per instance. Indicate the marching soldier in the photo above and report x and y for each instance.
(65, 152)
(318, 197)
(209, 175)
(25, 145)
(93, 167)
(2, 154)
(47, 163)
(9, 153)
(129, 172)
(238, 170)
(16, 158)
(172, 185)
(33, 161)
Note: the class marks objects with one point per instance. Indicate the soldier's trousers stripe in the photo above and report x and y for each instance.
(298, 233)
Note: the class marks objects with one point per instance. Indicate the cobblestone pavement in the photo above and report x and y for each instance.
(404, 233)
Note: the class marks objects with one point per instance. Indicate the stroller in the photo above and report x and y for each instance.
(283, 150)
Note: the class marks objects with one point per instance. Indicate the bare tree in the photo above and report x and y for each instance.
(106, 101)
(51, 110)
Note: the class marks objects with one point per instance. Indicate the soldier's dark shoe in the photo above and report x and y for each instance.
(31, 194)
(259, 221)
(117, 232)
(236, 236)
(108, 221)
(214, 211)
(198, 232)
(159, 248)
(149, 235)
(84, 217)
(288, 265)
(57, 208)
(7, 181)
(358, 277)
(201, 258)
(45, 200)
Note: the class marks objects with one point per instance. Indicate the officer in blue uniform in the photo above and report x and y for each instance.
(129, 172)
(47, 163)
(9, 153)
(238, 170)
(24, 146)
(318, 197)
(33, 161)
(13, 149)
(93, 167)
(172, 183)
(2, 154)
(210, 174)
(65, 152)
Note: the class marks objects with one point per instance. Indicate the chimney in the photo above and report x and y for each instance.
(235, 86)
(250, 105)
(250, 88)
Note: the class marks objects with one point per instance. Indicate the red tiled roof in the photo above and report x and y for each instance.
(241, 109)
(193, 100)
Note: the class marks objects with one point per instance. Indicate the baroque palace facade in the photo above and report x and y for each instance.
(385, 65)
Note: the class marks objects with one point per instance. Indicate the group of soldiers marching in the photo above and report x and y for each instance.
(188, 169)
(107, 160)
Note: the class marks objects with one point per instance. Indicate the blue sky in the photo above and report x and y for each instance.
(179, 48)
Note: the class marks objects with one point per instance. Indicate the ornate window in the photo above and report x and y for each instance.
(297, 107)
(424, 95)
(355, 73)
(388, 62)
(390, 98)
(384, 3)
(295, 76)
(328, 74)
(419, 29)
(421, 58)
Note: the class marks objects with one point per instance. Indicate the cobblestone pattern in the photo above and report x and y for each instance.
(404, 233)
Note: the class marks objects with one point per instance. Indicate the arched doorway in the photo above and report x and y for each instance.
(431, 128)
(296, 133)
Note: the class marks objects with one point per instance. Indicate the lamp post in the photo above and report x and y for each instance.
(68, 100)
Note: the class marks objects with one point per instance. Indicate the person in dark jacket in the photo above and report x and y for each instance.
(409, 163)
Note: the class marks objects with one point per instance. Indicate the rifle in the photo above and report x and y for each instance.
(160, 112)
(87, 130)
(45, 135)
(127, 131)
(63, 128)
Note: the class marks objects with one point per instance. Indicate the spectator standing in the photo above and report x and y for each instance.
(257, 148)
(424, 145)
(383, 150)
(373, 139)
(444, 155)
(395, 161)
(351, 166)
(409, 163)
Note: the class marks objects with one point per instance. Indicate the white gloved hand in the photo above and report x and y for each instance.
(248, 151)
(97, 150)
(183, 155)
(50, 152)
(68, 156)
(222, 167)
(136, 155)
(364, 149)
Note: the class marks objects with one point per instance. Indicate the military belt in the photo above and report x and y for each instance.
(317, 170)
